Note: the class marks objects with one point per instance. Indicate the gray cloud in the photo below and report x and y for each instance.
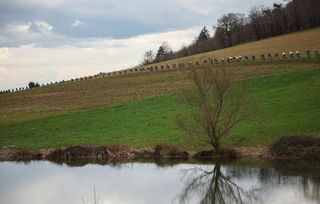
(108, 19)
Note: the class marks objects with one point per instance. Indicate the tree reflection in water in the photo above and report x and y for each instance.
(306, 174)
(215, 187)
(221, 185)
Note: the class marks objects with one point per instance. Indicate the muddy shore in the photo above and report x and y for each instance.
(105, 153)
(306, 148)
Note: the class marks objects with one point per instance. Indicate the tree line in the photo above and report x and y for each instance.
(236, 28)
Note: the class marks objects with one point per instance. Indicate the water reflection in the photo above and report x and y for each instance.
(238, 184)
(44, 182)
(215, 187)
(308, 174)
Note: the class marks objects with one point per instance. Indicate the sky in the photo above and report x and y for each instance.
(52, 40)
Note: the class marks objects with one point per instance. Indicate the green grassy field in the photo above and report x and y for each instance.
(287, 103)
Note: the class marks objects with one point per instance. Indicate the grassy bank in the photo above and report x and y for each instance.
(287, 103)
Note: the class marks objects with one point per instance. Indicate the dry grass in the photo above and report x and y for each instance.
(162, 150)
(118, 148)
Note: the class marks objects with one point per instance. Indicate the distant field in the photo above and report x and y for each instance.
(286, 104)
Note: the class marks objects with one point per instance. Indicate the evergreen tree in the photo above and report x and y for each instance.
(204, 34)
(163, 50)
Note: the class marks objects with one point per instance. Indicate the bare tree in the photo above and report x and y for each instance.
(148, 57)
(228, 25)
(217, 107)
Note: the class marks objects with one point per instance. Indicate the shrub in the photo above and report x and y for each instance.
(296, 147)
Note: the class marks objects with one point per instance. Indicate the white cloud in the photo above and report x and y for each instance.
(4, 53)
(22, 27)
(34, 26)
(77, 23)
(15, 28)
(150, 41)
(35, 32)
(39, 27)
(3, 73)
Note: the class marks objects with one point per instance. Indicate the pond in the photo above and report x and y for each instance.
(43, 182)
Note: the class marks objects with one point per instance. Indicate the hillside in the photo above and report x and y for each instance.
(109, 91)
(139, 109)
(286, 104)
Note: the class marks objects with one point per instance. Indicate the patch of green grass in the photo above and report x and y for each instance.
(139, 124)
(286, 104)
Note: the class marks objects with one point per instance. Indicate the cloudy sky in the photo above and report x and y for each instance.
(50, 40)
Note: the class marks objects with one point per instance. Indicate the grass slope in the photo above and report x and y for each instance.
(287, 104)
(106, 92)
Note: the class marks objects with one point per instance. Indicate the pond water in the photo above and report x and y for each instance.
(43, 182)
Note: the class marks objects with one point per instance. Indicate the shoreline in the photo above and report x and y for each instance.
(105, 154)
